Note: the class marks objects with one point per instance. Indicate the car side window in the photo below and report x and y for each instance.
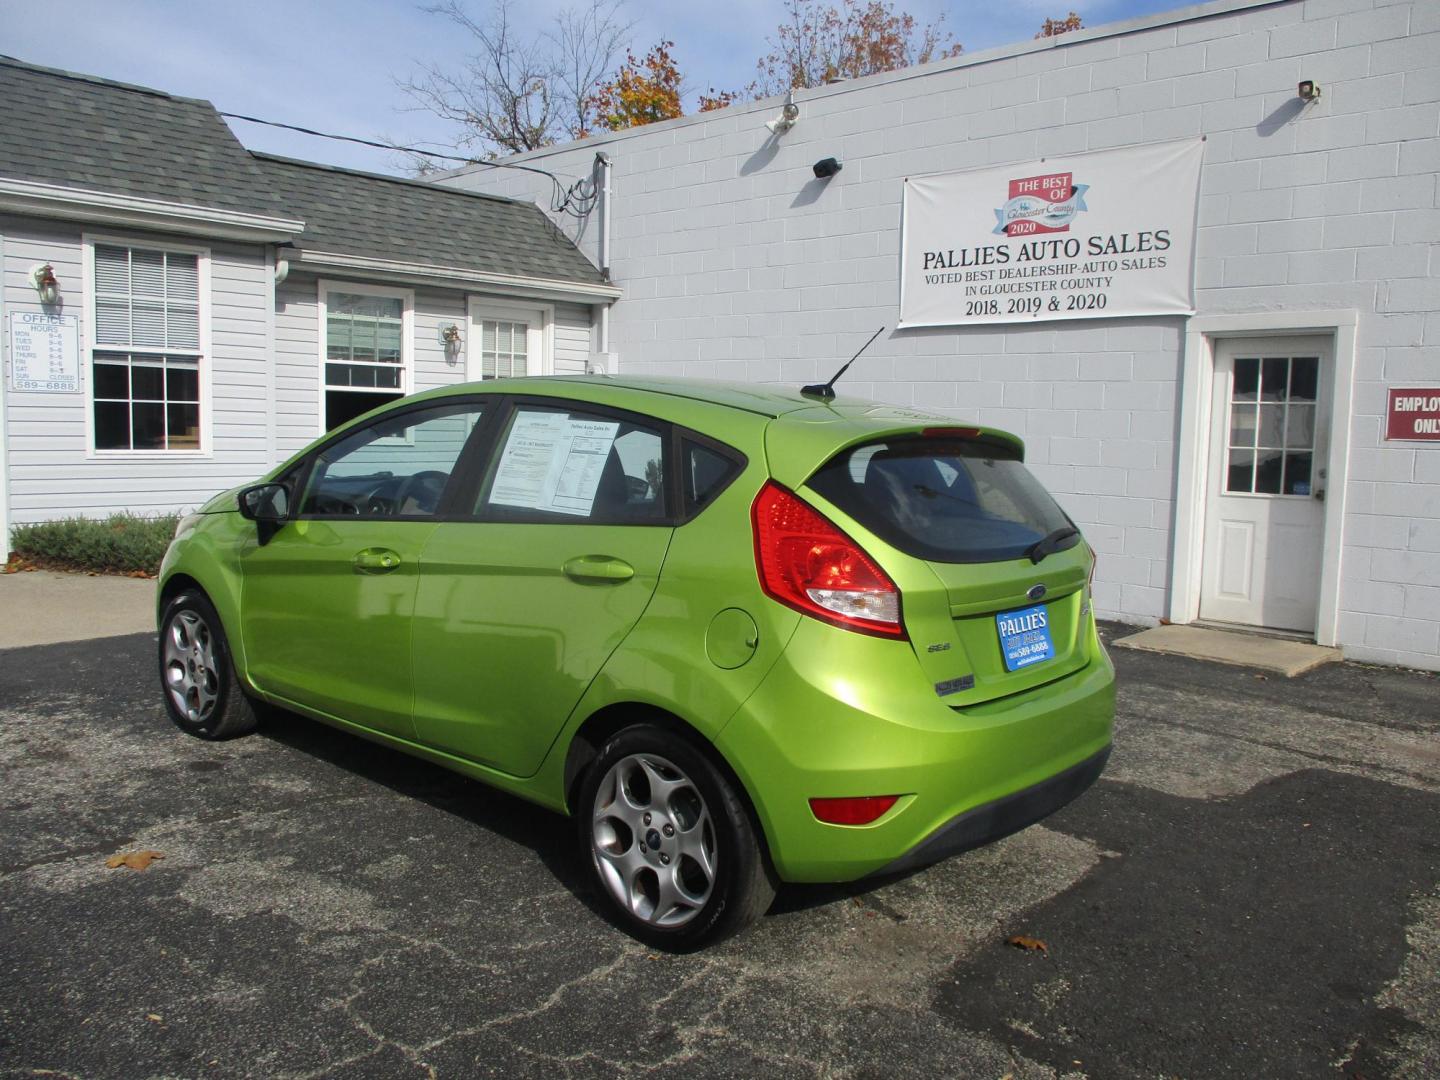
(706, 473)
(397, 466)
(558, 464)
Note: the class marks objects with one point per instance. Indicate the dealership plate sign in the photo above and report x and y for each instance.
(1087, 236)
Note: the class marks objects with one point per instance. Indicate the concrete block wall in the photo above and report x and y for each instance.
(737, 263)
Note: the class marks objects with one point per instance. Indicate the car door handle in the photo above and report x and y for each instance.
(598, 568)
(376, 561)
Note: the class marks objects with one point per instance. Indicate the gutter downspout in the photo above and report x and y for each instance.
(602, 160)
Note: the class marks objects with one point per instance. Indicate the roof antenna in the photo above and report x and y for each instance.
(826, 391)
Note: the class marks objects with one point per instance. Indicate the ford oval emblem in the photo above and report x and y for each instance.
(1036, 591)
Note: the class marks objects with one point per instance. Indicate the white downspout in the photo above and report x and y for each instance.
(603, 359)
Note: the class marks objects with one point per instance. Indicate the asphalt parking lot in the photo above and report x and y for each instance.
(1252, 890)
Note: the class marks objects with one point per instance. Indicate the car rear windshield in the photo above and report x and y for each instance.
(953, 500)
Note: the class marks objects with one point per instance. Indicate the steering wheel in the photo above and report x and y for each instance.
(424, 489)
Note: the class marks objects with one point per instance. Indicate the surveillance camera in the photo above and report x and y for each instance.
(826, 168)
(1309, 90)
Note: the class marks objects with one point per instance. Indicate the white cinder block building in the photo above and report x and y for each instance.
(1268, 460)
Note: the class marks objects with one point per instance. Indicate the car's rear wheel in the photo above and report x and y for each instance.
(670, 843)
(201, 689)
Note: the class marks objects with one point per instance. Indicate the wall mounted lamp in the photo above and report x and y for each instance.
(43, 278)
(450, 339)
(789, 114)
(826, 168)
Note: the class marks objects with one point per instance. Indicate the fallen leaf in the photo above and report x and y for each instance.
(136, 860)
(1020, 941)
(154, 1018)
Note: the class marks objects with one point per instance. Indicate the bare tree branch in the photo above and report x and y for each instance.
(588, 41)
(515, 93)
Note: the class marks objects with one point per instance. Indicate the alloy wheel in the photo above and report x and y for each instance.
(192, 677)
(653, 840)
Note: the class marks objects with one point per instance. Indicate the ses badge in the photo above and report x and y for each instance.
(1025, 636)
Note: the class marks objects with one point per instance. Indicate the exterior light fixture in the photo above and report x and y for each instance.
(1309, 90)
(789, 114)
(450, 338)
(43, 278)
(826, 168)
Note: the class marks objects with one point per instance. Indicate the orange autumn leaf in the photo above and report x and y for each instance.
(1030, 944)
(642, 92)
(136, 860)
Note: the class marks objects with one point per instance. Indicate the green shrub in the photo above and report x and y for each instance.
(121, 543)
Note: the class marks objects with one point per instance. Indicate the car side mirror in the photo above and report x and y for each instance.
(265, 503)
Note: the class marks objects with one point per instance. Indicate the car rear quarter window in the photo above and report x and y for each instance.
(943, 499)
(573, 465)
(706, 472)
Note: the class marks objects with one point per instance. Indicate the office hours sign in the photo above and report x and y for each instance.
(1087, 236)
(44, 353)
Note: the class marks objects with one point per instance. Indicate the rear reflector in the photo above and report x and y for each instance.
(806, 563)
(861, 810)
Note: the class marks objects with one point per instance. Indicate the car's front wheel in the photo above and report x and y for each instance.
(669, 841)
(201, 689)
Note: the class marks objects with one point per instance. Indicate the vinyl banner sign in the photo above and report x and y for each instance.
(1088, 236)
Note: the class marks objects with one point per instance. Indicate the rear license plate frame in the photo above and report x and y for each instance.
(1025, 638)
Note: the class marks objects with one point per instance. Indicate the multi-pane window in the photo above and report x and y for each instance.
(1272, 425)
(364, 353)
(146, 357)
(503, 348)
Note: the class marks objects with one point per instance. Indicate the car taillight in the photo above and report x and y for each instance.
(808, 564)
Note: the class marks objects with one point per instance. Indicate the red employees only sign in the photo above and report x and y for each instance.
(1413, 414)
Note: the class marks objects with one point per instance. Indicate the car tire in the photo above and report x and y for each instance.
(707, 877)
(202, 692)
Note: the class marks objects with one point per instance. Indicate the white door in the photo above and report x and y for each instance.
(1264, 518)
(507, 341)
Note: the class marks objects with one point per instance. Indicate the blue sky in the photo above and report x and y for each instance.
(333, 64)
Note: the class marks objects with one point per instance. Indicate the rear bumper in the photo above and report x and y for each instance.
(849, 715)
(998, 819)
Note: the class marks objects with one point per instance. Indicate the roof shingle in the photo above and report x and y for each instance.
(386, 217)
(92, 134)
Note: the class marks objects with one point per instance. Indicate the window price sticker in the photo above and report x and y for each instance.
(44, 353)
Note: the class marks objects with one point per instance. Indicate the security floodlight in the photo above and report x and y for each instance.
(789, 113)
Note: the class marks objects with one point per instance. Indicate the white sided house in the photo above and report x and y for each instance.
(1193, 260)
(178, 314)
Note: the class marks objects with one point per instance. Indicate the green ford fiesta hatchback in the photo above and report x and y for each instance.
(741, 635)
